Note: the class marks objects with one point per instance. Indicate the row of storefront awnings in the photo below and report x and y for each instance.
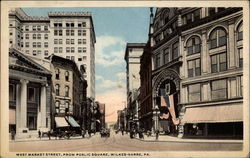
(66, 122)
(213, 114)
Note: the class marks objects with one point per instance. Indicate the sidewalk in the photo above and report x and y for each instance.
(167, 138)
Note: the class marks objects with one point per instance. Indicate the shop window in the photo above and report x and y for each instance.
(219, 62)
(219, 89)
(194, 93)
(194, 68)
(193, 45)
(218, 38)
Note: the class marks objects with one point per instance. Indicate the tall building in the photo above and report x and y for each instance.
(132, 57)
(198, 57)
(67, 34)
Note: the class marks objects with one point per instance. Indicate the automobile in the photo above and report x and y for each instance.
(105, 132)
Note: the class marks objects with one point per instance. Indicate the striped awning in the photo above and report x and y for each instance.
(61, 122)
(212, 114)
(72, 121)
(12, 116)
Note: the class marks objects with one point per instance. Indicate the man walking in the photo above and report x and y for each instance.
(39, 134)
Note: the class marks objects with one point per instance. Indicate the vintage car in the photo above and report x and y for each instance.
(105, 132)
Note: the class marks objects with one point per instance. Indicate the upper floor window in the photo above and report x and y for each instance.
(66, 91)
(218, 38)
(57, 89)
(46, 44)
(240, 32)
(194, 93)
(26, 28)
(38, 28)
(31, 94)
(34, 36)
(211, 11)
(45, 28)
(175, 50)
(166, 55)
(194, 68)
(240, 51)
(219, 89)
(193, 45)
(67, 75)
(26, 36)
(46, 36)
(38, 36)
(57, 74)
(219, 62)
(158, 60)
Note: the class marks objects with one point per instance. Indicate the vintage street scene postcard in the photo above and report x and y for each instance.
(121, 79)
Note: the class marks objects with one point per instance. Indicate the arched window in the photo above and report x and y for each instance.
(67, 75)
(193, 45)
(66, 91)
(57, 74)
(218, 38)
(240, 32)
(57, 89)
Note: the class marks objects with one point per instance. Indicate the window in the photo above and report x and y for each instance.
(31, 94)
(57, 74)
(46, 52)
(34, 52)
(67, 75)
(218, 38)
(34, 28)
(79, 24)
(193, 45)
(166, 55)
(60, 41)
(60, 49)
(46, 44)
(55, 41)
(55, 32)
(67, 32)
(72, 50)
(34, 36)
(175, 51)
(197, 14)
(194, 93)
(57, 104)
(219, 89)
(57, 89)
(157, 61)
(67, 57)
(79, 41)
(83, 41)
(67, 49)
(34, 44)
(38, 28)
(72, 32)
(55, 49)
(27, 44)
(46, 36)
(11, 33)
(240, 32)
(32, 122)
(67, 105)
(38, 44)
(84, 58)
(27, 51)
(84, 49)
(79, 49)
(60, 33)
(72, 25)
(79, 59)
(79, 32)
(219, 62)
(194, 68)
(26, 36)
(26, 28)
(73, 58)
(240, 51)
(241, 85)
(72, 41)
(39, 52)
(66, 91)
(45, 28)
(12, 92)
(67, 41)
(211, 11)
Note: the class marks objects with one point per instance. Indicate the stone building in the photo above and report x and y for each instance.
(69, 90)
(132, 57)
(29, 96)
(197, 56)
(67, 34)
(102, 114)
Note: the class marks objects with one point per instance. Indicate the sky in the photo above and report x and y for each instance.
(114, 28)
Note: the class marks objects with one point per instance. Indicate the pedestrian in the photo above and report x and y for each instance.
(122, 132)
(49, 134)
(89, 132)
(12, 134)
(83, 133)
(157, 134)
(39, 134)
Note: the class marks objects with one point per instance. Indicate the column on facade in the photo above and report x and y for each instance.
(230, 45)
(154, 114)
(204, 54)
(23, 105)
(42, 110)
(18, 107)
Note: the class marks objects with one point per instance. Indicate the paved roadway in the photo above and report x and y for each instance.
(116, 142)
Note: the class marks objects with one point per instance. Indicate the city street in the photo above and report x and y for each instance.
(117, 142)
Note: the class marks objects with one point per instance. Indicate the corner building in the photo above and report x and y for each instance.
(67, 34)
(198, 53)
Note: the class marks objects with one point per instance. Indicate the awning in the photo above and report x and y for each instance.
(72, 121)
(61, 122)
(212, 114)
(12, 116)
